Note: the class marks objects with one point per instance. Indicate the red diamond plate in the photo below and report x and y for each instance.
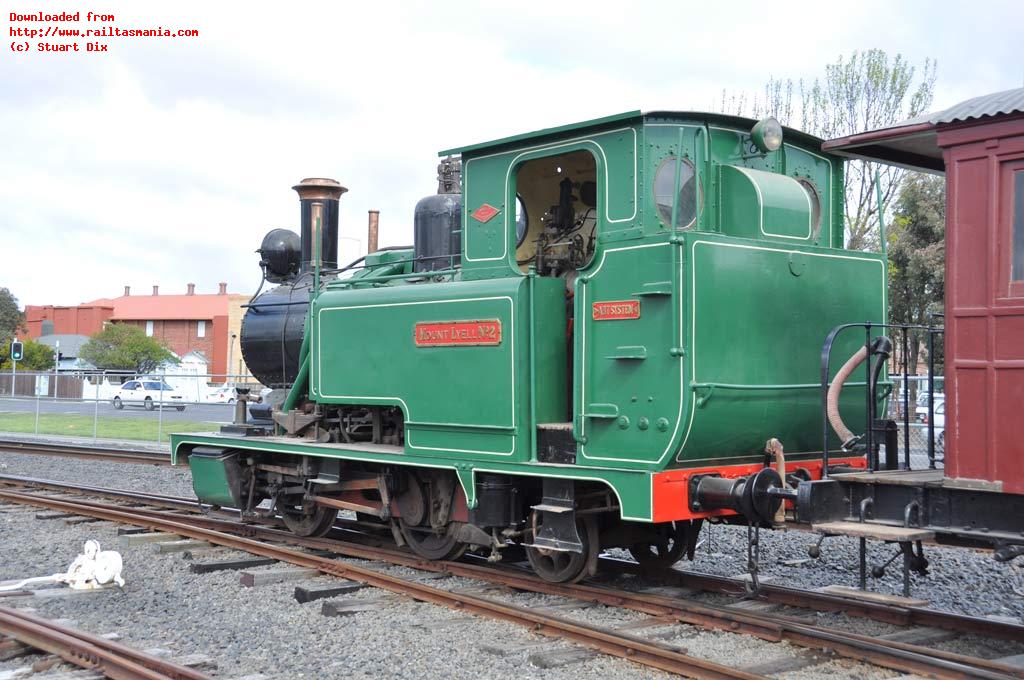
(484, 212)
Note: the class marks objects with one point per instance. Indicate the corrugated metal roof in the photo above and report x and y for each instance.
(997, 103)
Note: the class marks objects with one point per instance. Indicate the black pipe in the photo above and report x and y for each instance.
(931, 400)
(870, 411)
(881, 348)
(906, 401)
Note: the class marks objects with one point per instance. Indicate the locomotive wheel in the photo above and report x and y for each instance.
(316, 522)
(559, 566)
(664, 552)
(431, 545)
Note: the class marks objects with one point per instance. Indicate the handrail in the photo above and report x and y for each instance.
(793, 386)
(390, 277)
(826, 355)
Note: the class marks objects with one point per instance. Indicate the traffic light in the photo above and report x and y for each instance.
(17, 351)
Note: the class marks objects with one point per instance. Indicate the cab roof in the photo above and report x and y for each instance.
(632, 117)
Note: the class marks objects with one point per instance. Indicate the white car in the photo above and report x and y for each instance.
(222, 395)
(148, 394)
(940, 427)
(921, 412)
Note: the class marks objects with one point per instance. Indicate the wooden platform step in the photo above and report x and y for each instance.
(879, 532)
(869, 596)
(923, 636)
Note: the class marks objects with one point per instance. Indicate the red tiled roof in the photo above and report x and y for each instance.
(164, 307)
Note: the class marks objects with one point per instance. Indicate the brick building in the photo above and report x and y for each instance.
(205, 323)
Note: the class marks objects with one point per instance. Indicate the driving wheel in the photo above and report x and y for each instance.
(302, 521)
(433, 544)
(665, 551)
(561, 566)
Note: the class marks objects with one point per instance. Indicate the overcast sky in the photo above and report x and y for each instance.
(165, 161)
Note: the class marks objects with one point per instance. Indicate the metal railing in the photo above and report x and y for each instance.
(901, 382)
(93, 404)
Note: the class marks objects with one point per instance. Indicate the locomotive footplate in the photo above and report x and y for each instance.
(958, 512)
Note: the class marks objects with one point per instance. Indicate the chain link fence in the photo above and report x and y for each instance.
(148, 407)
(925, 424)
(107, 405)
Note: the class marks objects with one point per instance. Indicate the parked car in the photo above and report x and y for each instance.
(921, 412)
(940, 426)
(148, 394)
(222, 395)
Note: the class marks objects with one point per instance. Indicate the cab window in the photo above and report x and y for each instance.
(556, 212)
(664, 192)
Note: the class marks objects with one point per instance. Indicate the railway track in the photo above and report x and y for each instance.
(181, 517)
(84, 451)
(898, 615)
(111, 659)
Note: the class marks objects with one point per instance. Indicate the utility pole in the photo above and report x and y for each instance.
(15, 356)
(56, 367)
(231, 353)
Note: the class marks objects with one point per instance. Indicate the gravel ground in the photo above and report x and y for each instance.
(958, 580)
(170, 481)
(263, 630)
(258, 631)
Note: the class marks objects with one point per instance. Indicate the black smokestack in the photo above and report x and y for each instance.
(318, 197)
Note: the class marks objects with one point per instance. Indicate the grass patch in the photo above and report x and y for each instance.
(107, 428)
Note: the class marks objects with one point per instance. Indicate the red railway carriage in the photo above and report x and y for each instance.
(979, 144)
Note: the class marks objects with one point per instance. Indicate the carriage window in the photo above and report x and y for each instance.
(812, 194)
(1017, 265)
(664, 187)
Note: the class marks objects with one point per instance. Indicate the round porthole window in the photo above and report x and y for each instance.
(812, 195)
(522, 221)
(664, 187)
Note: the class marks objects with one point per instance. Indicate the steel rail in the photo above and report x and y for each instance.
(175, 502)
(88, 651)
(899, 656)
(63, 450)
(609, 642)
(896, 614)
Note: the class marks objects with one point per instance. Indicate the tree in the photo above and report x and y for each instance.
(125, 347)
(917, 255)
(37, 357)
(864, 92)
(11, 319)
